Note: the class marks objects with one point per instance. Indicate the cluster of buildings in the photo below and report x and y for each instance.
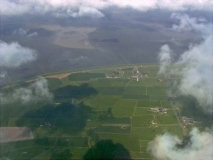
(189, 121)
(137, 73)
(159, 110)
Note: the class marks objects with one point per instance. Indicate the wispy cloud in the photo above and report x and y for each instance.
(195, 68)
(37, 91)
(14, 55)
(81, 12)
(164, 58)
(24, 32)
(196, 63)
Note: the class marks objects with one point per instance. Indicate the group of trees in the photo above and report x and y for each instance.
(65, 115)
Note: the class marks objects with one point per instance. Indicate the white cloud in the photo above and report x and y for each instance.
(70, 7)
(3, 75)
(200, 147)
(14, 55)
(196, 63)
(33, 34)
(88, 12)
(37, 91)
(136, 4)
(198, 72)
(191, 24)
(164, 58)
(80, 59)
(24, 32)
(75, 9)
(21, 32)
(195, 67)
(11, 8)
(82, 11)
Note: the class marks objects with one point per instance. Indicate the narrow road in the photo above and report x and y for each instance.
(176, 114)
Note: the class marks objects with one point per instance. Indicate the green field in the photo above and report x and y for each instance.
(54, 83)
(145, 82)
(106, 101)
(141, 121)
(135, 90)
(150, 103)
(91, 107)
(156, 90)
(85, 76)
(119, 91)
(139, 111)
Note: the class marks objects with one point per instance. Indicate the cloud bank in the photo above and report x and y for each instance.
(13, 55)
(78, 8)
(57, 9)
(195, 66)
(37, 91)
(83, 11)
(167, 147)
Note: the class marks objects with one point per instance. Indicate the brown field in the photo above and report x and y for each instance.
(9, 134)
(59, 76)
(71, 37)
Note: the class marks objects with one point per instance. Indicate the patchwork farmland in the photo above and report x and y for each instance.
(125, 104)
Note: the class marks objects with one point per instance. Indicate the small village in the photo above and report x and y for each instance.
(136, 74)
(189, 121)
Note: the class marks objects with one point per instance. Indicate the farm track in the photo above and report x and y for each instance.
(176, 114)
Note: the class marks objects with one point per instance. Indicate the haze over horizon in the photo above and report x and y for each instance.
(81, 34)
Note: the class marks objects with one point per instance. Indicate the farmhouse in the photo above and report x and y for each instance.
(159, 109)
(189, 121)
